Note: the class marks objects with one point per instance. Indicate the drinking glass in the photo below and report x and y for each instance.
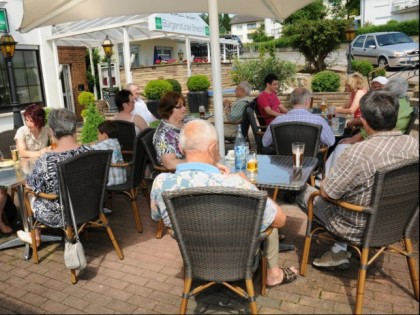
(1, 156)
(202, 111)
(15, 153)
(298, 148)
(252, 161)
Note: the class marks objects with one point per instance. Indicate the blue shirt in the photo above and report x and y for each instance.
(302, 115)
(191, 174)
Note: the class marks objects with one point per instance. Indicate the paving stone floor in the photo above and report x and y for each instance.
(149, 279)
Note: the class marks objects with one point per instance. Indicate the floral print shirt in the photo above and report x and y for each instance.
(44, 178)
(189, 175)
(166, 139)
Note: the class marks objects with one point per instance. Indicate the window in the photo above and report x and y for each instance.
(134, 50)
(251, 26)
(370, 40)
(239, 27)
(359, 41)
(27, 77)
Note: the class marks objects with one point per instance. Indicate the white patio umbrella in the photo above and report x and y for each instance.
(38, 13)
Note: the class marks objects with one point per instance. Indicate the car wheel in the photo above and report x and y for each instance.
(382, 62)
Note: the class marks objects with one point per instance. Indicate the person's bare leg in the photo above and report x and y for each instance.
(4, 228)
(275, 274)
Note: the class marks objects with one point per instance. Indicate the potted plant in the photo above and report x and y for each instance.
(93, 118)
(198, 86)
(153, 91)
(176, 86)
(85, 98)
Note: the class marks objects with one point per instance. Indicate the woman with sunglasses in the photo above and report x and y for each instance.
(166, 137)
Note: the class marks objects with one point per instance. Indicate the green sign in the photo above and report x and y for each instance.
(207, 31)
(158, 22)
(4, 24)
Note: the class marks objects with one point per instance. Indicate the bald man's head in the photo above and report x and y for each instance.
(197, 135)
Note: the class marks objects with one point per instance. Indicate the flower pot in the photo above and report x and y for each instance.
(152, 105)
(195, 99)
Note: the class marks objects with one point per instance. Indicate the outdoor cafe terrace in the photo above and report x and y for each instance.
(149, 279)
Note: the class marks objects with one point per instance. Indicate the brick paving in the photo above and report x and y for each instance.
(149, 279)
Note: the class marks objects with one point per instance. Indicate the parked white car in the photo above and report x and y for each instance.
(392, 49)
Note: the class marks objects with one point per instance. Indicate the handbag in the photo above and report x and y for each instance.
(74, 255)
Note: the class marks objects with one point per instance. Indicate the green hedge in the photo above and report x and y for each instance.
(410, 27)
(325, 81)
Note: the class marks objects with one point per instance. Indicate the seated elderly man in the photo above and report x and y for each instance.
(352, 178)
(234, 111)
(198, 141)
(301, 100)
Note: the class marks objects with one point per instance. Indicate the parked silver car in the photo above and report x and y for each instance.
(393, 49)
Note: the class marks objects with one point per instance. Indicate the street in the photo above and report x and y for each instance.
(338, 60)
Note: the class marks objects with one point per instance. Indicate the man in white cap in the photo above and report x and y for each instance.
(378, 83)
(140, 107)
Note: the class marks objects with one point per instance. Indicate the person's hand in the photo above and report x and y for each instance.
(226, 103)
(346, 141)
(223, 169)
(350, 124)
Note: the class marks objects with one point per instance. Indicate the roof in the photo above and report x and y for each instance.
(239, 19)
(91, 33)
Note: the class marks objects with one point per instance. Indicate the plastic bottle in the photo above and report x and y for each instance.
(240, 150)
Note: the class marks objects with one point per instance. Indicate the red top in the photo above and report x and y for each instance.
(268, 100)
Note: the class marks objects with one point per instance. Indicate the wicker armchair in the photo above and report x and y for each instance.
(414, 116)
(218, 233)
(126, 138)
(135, 174)
(149, 148)
(392, 215)
(81, 199)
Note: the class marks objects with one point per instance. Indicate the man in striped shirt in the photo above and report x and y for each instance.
(234, 111)
(301, 100)
(352, 178)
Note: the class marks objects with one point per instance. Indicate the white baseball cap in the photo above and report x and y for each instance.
(381, 80)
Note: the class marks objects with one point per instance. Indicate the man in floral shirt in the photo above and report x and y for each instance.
(198, 142)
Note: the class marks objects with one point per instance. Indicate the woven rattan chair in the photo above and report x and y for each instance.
(392, 215)
(135, 174)
(6, 140)
(414, 116)
(147, 142)
(82, 181)
(126, 138)
(284, 134)
(258, 132)
(218, 233)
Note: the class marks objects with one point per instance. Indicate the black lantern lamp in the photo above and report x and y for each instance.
(8, 44)
(350, 35)
(107, 46)
(180, 55)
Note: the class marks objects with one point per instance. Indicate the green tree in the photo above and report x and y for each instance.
(259, 35)
(315, 40)
(224, 22)
(92, 79)
(350, 7)
(314, 11)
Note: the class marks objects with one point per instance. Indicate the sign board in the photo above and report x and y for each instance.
(4, 24)
(179, 23)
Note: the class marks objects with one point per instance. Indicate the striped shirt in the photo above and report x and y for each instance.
(302, 115)
(237, 109)
(353, 177)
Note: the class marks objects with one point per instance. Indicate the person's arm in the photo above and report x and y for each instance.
(356, 138)
(170, 161)
(23, 152)
(355, 122)
(140, 122)
(283, 109)
(354, 106)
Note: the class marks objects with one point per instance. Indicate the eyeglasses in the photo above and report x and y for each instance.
(179, 106)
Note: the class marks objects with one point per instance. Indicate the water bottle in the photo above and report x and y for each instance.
(240, 150)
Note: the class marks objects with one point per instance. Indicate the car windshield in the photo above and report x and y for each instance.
(393, 39)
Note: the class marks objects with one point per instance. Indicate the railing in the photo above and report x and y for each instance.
(409, 71)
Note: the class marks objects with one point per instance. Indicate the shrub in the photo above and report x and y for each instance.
(176, 87)
(378, 72)
(410, 27)
(362, 66)
(198, 82)
(325, 81)
(254, 71)
(47, 112)
(85, 98)
(154, 89)
(90, 127)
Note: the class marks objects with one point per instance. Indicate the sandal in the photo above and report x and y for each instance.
(288, 275)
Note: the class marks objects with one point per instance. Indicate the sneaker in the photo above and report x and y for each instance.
(333, 260)
(106, 211)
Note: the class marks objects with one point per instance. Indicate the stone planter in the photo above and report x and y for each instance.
(195, 99)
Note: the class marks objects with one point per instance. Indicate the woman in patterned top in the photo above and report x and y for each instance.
(44, 177)
(32, 139)
(166, 138)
